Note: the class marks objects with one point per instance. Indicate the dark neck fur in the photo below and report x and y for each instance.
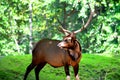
(75, 51)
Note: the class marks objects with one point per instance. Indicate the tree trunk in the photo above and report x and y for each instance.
(30, 26)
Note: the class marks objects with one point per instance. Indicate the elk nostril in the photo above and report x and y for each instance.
(58, 45)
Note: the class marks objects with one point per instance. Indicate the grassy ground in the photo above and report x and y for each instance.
(92, 67)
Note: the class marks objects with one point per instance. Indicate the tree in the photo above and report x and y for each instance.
(30, 22)
(102, 35)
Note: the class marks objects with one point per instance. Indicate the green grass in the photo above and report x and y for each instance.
(92, 67)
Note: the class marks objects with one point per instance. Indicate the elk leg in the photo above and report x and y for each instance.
(66, 67)
(37, 70)
(76, 68)
(29, 68)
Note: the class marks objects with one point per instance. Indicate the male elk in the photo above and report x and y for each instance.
(58, 53)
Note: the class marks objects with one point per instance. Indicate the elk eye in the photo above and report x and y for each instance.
(66, 40)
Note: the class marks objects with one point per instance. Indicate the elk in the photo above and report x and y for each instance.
(58, 53)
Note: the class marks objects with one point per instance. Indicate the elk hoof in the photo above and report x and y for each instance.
(77, 77)
(68, 77)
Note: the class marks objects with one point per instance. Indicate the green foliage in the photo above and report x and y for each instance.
(102, 35)
(92, 67)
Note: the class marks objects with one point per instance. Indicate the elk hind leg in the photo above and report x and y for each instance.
(37, 70)
(29, 68)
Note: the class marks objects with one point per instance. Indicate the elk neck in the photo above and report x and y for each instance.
(75, 51)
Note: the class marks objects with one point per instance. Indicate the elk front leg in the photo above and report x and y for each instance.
(76, 68)
(66, 67)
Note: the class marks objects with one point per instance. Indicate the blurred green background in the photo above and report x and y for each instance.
(24, 22)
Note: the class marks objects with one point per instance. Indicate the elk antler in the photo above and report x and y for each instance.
(66, 32)
(87, 23)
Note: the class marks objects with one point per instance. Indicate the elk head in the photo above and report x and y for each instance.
(68, 41)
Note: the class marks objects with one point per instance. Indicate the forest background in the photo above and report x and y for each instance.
(23, 22)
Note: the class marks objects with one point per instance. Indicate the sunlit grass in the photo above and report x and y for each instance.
(91, 67)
